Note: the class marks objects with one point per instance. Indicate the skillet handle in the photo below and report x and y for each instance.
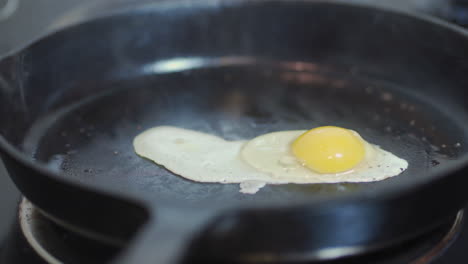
(166, 236)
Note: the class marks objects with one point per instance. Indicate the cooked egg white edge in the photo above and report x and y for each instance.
(199, 157)
(207, 158)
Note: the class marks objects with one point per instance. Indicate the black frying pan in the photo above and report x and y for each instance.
(72, 103)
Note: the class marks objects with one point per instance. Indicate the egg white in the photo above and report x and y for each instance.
(270, 153)
(264, 160)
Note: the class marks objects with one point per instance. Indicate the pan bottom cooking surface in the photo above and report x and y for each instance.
(56, 244)
(90, 140)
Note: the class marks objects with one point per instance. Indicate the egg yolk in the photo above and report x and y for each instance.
(329, 149)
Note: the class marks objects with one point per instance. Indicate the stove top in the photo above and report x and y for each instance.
(47, 242)
(32, 238)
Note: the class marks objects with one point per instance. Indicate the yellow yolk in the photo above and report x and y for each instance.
(329, 149)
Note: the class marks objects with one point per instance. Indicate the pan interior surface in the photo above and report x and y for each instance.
(91, 141)
(78, 97)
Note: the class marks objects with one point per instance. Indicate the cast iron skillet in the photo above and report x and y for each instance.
(72, 102)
